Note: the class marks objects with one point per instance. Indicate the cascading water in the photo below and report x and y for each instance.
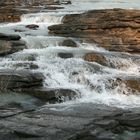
(93, 81)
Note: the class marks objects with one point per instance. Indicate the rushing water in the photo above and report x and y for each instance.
(60, 72)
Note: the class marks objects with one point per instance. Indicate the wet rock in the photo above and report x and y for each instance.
(8, 14)
(26, 65)
(132, 83)
(66, 2)
(95, 57)
(9, 36)
(9, 110)
(17, 79)
(32, 26)
(65, 55)
(68, 43)
(9, 47)
(10, 43)
(130, 120)
(30, 57)
(107, 124)
(11, 10)
(51, 94)
(112, 29)
(78, 121)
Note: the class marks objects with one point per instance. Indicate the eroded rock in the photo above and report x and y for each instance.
(26, 65)
(112, 29)
(51, 94)
(9, 47)
(32, 26)
(95, 57)
(68, 43)
(11, 43)
(17, 79)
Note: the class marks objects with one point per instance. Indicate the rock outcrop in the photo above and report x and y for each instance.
(84, 121)
(112, 29)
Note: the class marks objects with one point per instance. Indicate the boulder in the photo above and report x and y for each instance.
(51, 94)
(132, 83)
(129, 85)
(112, 29)
(95, 57)
(32, 26)
(9, 47)
(17, 79)
(65, 55)
(10, 37)
(68, 43)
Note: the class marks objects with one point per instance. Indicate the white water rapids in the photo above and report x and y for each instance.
(74, 73)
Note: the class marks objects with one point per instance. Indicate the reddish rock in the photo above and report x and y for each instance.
(11, 10)
(94, 57)
(112, 29)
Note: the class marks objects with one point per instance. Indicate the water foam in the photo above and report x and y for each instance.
(93, 81)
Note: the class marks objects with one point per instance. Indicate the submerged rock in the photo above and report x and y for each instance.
(112, 29)
(26, 65)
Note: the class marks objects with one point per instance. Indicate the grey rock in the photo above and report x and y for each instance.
(51, 94)
(65, 55)
(9, 47)
(16, 79)
(4, 36)
(32, 26)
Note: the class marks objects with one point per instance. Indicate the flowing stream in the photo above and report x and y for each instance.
(75, 73)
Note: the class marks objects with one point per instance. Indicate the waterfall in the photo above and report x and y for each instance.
(93, 81)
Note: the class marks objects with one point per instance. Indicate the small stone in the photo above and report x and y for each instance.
(32, 26)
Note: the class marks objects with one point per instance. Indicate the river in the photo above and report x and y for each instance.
(58, 71)
(72, 73)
